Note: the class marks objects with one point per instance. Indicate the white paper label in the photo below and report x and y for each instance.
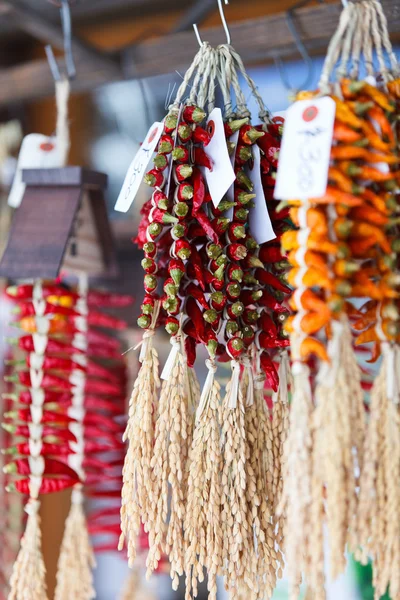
(305, 152)
(231, 192)
(137, 168)
(259, 219)
(220, 179)
(37, 152)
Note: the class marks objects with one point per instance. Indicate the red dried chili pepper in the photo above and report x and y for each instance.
(199, 191)
(25, 415)
(236, 251)
(182, 249)
(184, 132)
(235, 347)
(162, 217)
(201, 136)
(202, 159)
(207, 226)
(99, 319)
(48, 485)
(194, 313)
(25, 291)
(166, 144)
(265, 341)
(184, 192)
(183, 172)
(55, 433)
(248, 135)
(180, 154)
(250, 296)
(160, 162)
(268, 278)
(62, 449)
(176, 270)
(270, 254)
(270, 371)
(267, 324)
(51, 467)
(154, 178)
(193, 114)
(192, 290)
(232, 126)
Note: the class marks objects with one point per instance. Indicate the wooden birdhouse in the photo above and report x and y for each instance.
(61, 224)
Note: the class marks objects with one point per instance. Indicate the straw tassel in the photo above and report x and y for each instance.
(28, 579)
(74, 574)
(173, 436)
(378, 523)
(203, 528)
(137, 493)
(297, 484)
(134, 590)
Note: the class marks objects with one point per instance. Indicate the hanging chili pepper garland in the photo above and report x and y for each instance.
(65, 393)
(345, 248)
(210, 283)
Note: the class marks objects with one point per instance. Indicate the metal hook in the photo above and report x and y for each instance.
(224, 23)
(65, 13)
(302, 51)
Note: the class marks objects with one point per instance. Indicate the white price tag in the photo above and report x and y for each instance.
(306, 147)
(259, 219)
(37, 152)
(222, 176)
(137, 168)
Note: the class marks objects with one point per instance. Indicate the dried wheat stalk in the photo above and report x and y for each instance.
(137, 492)
(378, 530)
(235, 525)
(173, 437)
(296, 499)
(76, 561)
(28, 579)
(339, 402)
(203, 531)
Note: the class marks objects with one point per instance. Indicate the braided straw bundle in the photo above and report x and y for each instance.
(74, 573)
(28, 579)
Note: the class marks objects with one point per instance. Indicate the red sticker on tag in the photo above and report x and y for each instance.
(47, 146)
(310, 113)
(210, 128)
(152, 135)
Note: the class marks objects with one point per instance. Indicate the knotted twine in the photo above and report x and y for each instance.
(76, 560)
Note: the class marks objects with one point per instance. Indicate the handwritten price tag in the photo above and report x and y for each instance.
(37, 152)
(305, 152)
(138, 167)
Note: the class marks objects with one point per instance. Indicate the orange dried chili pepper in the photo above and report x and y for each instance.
(345, 114)
(346, 152)
(312, 277)
(310, 323)
(378, 97)
(366, 230)
(359, 290)
(312, 259)
(368, 214)
(316, 220)
(344, 133)
(366, 172)
(310, 301)
(345, 268)
(351, 309)
(335, 196)
(311, 346)
(344, 182)
(376, 352)
(367, 336)
(374, 139)
(350, 88)
(394, 87)
(289, 241)
(366, 320)
(377, 201)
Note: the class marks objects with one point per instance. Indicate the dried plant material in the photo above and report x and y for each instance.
(134, 589)
(76, 561)
(137, 492)
(260, 556)
(278, 432)
(297, 484)
(379, 506)
(339, 401)
(28, 579)
(203, 530)
(236, 531)
(173, 437)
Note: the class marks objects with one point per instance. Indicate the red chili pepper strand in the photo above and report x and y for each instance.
(92, 386)
(51, 467)
(48, 449)
(48, 485)
(25, 415)
(48, 432)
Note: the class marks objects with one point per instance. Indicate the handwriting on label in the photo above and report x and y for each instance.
(305, 152)
(137, 168)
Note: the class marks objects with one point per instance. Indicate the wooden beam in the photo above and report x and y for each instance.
(257, 40)
(28, 20)
(194, 14)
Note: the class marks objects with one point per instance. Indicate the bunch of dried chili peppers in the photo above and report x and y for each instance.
(70, 389)
(344, 270)
(203, 474)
